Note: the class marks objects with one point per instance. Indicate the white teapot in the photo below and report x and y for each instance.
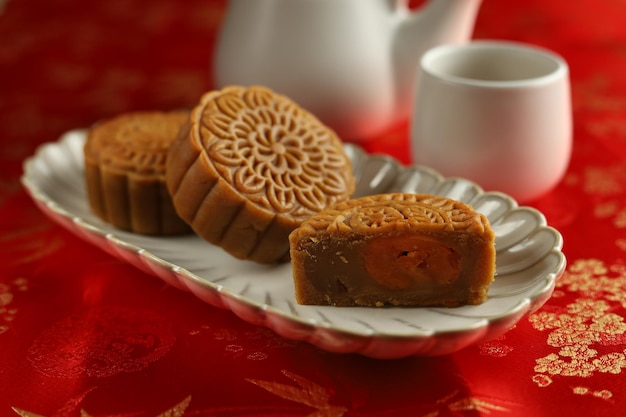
(352, 63)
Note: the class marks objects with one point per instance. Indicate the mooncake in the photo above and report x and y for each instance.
(125, 171)
(396, 249)
(250, 167)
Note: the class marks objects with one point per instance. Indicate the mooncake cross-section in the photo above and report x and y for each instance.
(397, 249)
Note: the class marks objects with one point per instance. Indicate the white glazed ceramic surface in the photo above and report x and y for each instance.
(350, 62)
(495, 112)
(529, 260)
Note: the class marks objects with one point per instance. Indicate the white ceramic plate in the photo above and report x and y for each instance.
(529, 261)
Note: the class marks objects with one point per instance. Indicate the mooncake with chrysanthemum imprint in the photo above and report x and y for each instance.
(250, 167)
(397, 249)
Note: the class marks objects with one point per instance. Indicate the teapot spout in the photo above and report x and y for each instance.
(437, 22)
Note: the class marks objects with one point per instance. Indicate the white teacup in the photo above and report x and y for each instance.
(495, 112)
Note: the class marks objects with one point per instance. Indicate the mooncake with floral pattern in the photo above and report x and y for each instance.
(250, 167)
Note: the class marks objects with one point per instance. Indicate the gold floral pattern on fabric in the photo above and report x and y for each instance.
(496, 348)
(542, 380)
(598, 96)
(620, 219)
(588, 334)
(602, 394)
(7, 291)
(313, 395)
(75, 404)
(272, 151)
(455, 404)
(101, 342)
(178, 410)
(605, 184)
(304, 392)
(605, 181)
(32, 242)
(595, 94)
(611, 127)
(257, 344)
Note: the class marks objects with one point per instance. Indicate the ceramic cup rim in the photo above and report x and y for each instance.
(557, 67)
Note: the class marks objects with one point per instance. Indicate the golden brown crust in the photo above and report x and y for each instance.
(398, 249)
(125, 171)
(398, 210)
(251, 167)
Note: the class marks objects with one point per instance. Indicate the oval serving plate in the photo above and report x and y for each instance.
(528, 262)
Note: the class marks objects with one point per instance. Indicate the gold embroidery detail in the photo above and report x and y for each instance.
(607, 128)
(620, 219)
(586, 324)
(593, 95)
(605, 210)
(602, 394)
(66, 409)
(603, 180)
(591, 278)
(23, 413)
(177, 411)
(452, 404)
(542, 380)
(261, 342)
(31, 242)
(496, 348)
(7, 314)
(470, 403)
(307, 392)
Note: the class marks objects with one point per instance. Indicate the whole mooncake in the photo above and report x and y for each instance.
(394, 249)
(125, 171)
(251, 167)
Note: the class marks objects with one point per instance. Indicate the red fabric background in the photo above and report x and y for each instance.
(82, 333)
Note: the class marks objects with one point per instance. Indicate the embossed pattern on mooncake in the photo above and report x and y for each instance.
(273, 152)
(136, 142)
(391, 211)
(394, 249)
(252, 166)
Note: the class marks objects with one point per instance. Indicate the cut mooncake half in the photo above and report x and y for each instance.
(252, 166)
(125, 171)
(396, 249)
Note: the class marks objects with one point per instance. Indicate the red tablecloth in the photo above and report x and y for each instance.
(85, 334)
